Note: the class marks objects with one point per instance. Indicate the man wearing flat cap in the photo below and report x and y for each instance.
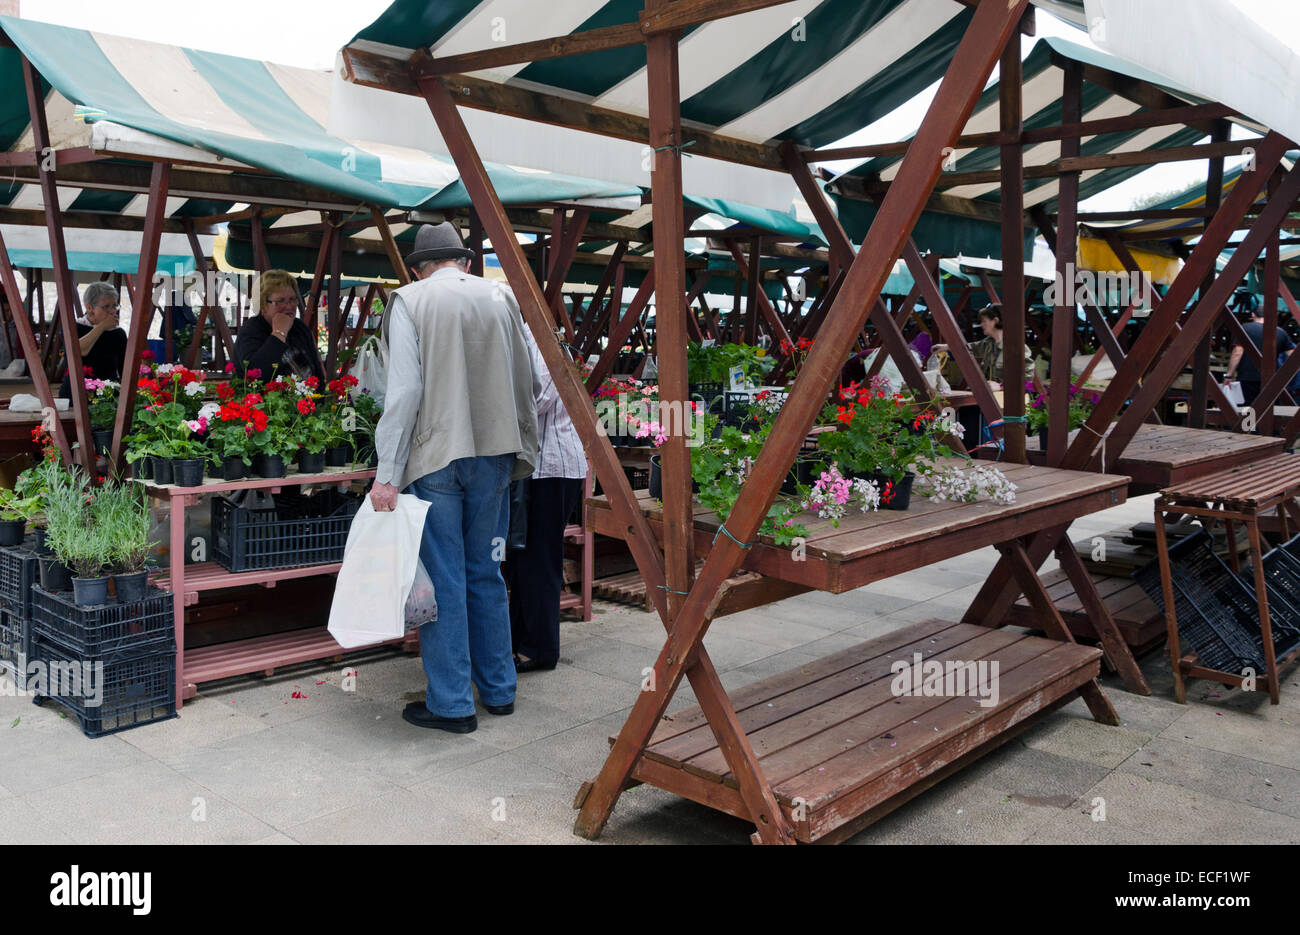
(459, 423)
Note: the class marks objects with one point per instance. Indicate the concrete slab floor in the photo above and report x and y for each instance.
(342, 766)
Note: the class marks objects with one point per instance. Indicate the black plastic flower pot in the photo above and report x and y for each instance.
(12, 531)
(103, 440)
(234, 468)
(311, 462)
(656, 478)
(1042, 439)
(656, 484)
(805, 471)
(38, 541)
(90, 592)
(901, 493)
(338, 456)
(131, 587)
(187, 472)
(55, 575)
(162, 470)
(268, 465)
(142, 469)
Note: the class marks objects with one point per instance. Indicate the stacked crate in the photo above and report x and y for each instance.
(18, 573)
(112, 665)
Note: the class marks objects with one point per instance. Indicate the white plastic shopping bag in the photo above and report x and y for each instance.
(1234, 394)
(381, 569)
(371, 369)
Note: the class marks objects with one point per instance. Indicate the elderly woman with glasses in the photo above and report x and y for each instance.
(103, 343)
(276, 340)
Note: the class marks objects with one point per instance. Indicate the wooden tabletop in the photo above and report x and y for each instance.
(869, 546)
(331, 475)
(1161, 455)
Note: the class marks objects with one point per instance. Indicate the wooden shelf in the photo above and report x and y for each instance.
(340, 475)
(210, 576)
(836, 741)
(263, 654)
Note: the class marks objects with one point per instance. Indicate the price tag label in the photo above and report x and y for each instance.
(737, 377)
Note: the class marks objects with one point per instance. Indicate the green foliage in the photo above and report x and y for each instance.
(36, 481)
(123, 515)
(15, 507)
(720, 467)
(878, 432)
(713, 364)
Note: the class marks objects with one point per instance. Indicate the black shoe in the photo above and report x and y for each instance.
(501, 709)
(418, 714)
(532, 665)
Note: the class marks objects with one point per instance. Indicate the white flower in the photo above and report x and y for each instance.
(193, 389)
(208, 410)
(166, 368)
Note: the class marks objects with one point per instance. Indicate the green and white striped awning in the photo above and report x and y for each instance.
(811, 71)
(123, 96)
(1041, 106)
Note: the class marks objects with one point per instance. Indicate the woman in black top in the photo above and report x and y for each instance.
(275, 340)
(103, 343)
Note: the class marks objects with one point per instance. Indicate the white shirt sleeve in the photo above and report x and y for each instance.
(403, 396)
(544, 391)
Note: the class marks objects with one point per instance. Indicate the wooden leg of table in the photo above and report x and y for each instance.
(176, 561)
(1171, 613)
(1293, 509)
(597, 800)
(1234, 560)
(1261, 595)
(1023, 571)
(1117, 651)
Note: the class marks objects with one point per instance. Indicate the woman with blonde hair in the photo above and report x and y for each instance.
(275, 340)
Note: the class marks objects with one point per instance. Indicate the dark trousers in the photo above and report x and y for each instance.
(536, 574)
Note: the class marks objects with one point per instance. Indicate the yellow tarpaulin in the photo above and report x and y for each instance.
(1096, 255)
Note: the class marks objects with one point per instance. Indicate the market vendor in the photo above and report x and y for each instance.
(988, 350)
(276, 339)
(102, 342)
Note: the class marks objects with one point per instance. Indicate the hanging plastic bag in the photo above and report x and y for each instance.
(371, 369)
(379, 583)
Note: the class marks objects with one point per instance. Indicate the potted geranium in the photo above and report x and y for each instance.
(101, 396)
(279, 402)
(364, 417)
(884, 437)
(311, 428)
(338, 447)
(234, 431)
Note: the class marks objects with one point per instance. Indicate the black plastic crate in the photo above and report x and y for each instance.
(15, 645)
(294, 530)
(19, 571)
(1282, 579)
(94, 631)
(709, 393)
(133, 688)
(1217, 613)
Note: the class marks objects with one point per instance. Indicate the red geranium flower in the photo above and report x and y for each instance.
(306, 405)
(147, 354)
(254, 374)
(225, 391)
(312, 382)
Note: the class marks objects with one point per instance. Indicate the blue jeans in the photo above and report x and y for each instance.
(463, 544)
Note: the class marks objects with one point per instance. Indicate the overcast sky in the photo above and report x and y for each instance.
(306, 33)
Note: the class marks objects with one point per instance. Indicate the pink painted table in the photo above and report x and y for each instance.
(255, 654)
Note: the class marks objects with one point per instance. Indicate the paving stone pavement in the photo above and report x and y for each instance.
(247, 762)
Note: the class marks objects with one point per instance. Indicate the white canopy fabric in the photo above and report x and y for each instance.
(1210, 48)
